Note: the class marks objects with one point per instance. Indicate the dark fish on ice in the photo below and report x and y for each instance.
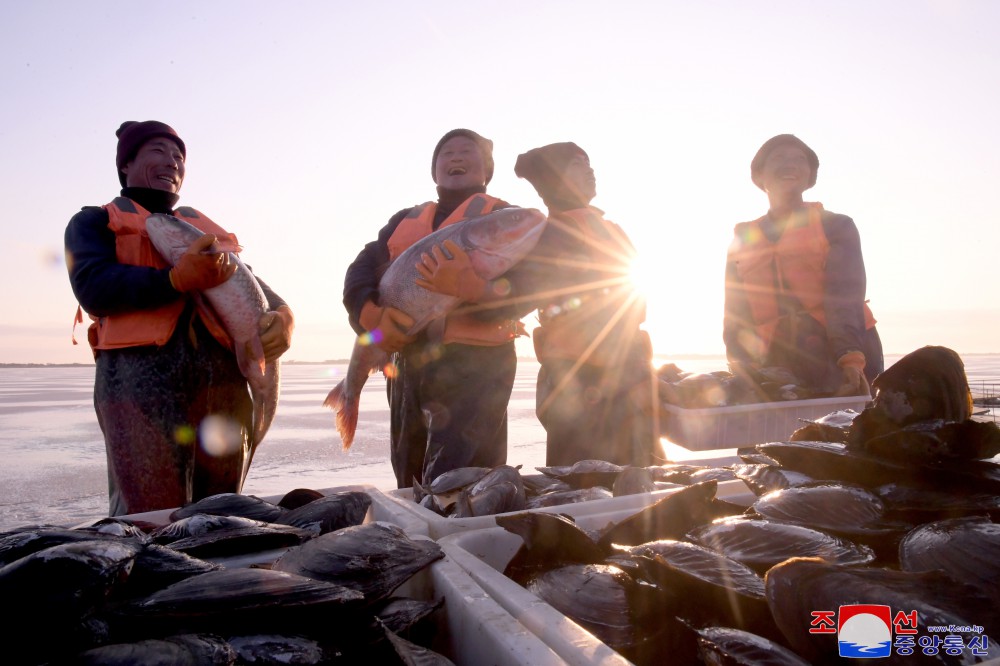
(494, 243)
(231, 504)
(670, 517)
(559, 497)
(374, 558)
(605, 600)
(445, 487)
(797, 587)
(760, 544)
(586, 473)
(965, 549)
(333, 512)
(549, 540)
(240, 600)
(239, 303)
(181, 649)
(728, 593)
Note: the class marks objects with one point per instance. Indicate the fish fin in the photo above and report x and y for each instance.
(418, 491)
(347, 413)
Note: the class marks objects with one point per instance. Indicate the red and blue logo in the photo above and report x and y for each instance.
(864, 630)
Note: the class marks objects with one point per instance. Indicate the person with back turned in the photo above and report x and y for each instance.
(171, 401)
(795, 283)
(595, 390)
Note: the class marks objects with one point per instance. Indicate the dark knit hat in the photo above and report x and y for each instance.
(757, 164)
(485, 149)
(132, 134)
(543, 167)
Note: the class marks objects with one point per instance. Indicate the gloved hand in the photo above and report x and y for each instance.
(197, 270)
(387, 326)
(852, 364)
(454, 277)
(276, 329)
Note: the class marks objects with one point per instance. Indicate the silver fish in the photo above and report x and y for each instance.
(494, 242)
(239, 303)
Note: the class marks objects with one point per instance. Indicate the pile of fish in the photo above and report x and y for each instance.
(125, 592)
(467, 492)
(723, 388)
(854, 509)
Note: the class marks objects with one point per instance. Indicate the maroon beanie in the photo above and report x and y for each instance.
(757, 164)
(543, 168)
(132, 134)
(485, 149)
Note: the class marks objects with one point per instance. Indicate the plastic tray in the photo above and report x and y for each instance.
(438, 526)
(741, 425)
(484, 554)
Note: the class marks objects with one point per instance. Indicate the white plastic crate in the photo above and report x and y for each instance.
(485, 553)
(438, 526)
(741, 425)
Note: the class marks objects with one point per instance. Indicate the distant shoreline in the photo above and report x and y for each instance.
(344, 361)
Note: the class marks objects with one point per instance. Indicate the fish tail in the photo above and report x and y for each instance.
(347, 413)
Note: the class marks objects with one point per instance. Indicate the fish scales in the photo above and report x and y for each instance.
(239, 303)
(494, 243)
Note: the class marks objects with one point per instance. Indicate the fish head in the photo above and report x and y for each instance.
(499, 240)
(171, 236)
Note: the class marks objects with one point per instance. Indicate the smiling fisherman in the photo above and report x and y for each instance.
(164, 363)
(795, 282)
(448, 396)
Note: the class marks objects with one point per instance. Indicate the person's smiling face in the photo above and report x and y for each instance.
(459, 164)
(159, 165)
(786, 170)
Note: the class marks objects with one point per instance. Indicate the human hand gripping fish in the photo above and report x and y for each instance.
(239, 304)
(489, 245)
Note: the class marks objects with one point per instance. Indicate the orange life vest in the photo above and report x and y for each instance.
(152, 326)
(568, 328)
(418, 224)
(795, 264)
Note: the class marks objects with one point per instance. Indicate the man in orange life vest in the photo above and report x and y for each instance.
(160, 366)
(595, 392)
(795, 283)
(448, 398)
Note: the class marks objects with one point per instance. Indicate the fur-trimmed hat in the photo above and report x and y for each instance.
(485, 149)
(757, 163)
(132, 134)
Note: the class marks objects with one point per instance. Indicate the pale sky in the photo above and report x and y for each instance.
(308, 124)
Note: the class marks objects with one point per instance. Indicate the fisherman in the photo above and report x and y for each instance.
(170, 399)
(595, 386)
(449, 391)
(795, 283)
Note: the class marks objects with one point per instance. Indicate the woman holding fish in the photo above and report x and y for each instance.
(453, 376)
(795, 283)
(595, 393)
(170, 397)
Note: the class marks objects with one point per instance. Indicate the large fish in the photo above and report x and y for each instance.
(494, 242)
(239, 303)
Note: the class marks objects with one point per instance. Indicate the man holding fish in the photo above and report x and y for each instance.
(453, 369)
(170, 395)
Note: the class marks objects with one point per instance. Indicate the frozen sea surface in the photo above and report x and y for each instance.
(52, 463)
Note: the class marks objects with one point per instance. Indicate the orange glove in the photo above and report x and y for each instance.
(276, 329)
(199, 269)
(454, 277)
(387, 326)
(853, 366)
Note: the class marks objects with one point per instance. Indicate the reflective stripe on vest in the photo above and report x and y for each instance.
(153, 326)
(419, 222)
